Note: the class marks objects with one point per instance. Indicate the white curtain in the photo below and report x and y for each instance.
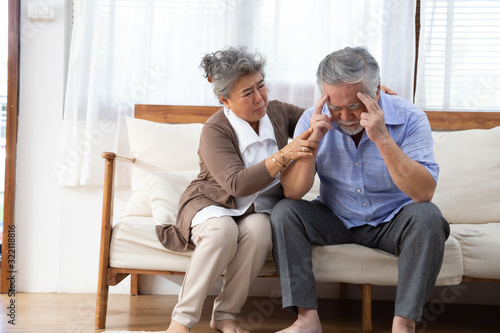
(125, 52)
(459, 62)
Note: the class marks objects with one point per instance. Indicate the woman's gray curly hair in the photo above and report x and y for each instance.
(223, 68)
(348, 66)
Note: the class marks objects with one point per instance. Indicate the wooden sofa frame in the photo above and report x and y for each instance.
(109, 276)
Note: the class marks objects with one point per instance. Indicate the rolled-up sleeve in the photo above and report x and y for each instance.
(419, 145)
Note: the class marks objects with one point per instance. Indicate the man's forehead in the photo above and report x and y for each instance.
(342, 89)
(343, 100)
(348, 106)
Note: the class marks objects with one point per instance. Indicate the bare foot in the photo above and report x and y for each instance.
(176, 327)
(227, 326)
(403, 325)
(307, 322)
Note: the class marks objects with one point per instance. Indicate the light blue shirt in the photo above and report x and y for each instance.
(355, 182)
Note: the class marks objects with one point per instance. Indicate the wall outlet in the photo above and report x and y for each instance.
(41, 11)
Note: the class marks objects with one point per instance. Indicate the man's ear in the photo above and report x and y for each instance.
(378, 92)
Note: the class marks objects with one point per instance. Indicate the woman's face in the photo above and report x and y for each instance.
(248, 99)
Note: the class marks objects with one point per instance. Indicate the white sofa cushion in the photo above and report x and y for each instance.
(134, 245)
(165, 190)
(158, 147)
(468, 189)
(138, 204)
(480, 245)
(358, 264)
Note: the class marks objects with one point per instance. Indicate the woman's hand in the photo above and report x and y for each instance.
(301, 146)
(387, 90)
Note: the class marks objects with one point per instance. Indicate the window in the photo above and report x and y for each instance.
(126, 52)
(459, 62)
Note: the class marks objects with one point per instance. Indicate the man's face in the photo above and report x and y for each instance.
(345, 107)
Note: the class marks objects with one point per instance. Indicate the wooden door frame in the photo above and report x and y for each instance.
(9, 239)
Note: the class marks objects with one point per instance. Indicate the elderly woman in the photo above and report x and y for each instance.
(225, 211)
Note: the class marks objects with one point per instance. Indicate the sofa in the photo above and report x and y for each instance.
(163, 142)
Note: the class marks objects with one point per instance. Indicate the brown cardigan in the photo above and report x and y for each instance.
(222, 173)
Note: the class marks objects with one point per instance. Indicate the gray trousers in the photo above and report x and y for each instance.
(416, 234)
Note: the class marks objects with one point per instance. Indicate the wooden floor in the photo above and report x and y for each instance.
(74, 313)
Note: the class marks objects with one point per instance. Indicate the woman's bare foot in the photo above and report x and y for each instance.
(227, 326)
(307, 322)
(403, 325)
(176, 327)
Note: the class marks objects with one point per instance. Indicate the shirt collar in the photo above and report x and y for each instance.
(388, 104)
(245, 133)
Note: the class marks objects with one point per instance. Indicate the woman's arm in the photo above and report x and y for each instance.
(298, 178)
(220, 154)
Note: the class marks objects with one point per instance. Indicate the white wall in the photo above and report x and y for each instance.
(38, 215)
(58, 228)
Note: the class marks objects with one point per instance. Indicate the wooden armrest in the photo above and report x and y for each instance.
(112, 156)
(106, 230)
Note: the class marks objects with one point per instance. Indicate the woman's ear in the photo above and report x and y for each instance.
(224, 101)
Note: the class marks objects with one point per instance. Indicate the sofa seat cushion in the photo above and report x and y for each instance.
(134, 245)
(358, 264)
(480, 245)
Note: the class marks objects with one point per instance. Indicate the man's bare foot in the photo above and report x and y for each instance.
(403, 325)
(307, 322)
(227, 326)
(176, 327)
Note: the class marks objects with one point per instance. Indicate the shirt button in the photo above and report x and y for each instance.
(358, 190)
(364, 204)
(355, 164)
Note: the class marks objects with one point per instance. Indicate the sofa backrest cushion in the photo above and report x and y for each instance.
(165, 189)
(468, 189)
(158, 147)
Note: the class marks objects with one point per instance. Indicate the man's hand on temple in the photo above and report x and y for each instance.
(320, 123)
(373, 121)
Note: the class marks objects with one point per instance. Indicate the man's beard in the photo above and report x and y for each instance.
(350, 130)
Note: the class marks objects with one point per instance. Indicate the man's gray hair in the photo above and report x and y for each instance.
(349, 66)
(223, 68)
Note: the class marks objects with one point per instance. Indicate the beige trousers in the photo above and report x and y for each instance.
(240, 246)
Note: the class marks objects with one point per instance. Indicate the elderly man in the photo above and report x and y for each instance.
(377, 170)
